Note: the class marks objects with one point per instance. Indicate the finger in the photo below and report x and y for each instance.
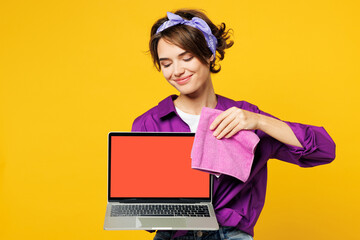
(228, 129)
(234, 131)
(220, 118)
(226, 121)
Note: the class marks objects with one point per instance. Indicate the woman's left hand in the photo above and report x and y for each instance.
(231, 121)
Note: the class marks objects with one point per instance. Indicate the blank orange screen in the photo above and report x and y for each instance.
(155, 167)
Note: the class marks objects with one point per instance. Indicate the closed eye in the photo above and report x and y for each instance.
(185, 59)
(188, 59)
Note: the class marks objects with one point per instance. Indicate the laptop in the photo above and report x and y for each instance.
(151, 185)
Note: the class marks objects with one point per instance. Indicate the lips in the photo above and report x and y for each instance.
(183, 80)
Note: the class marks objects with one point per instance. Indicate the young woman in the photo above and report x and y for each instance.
(186, 46)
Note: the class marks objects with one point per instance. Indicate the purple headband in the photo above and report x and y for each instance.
(194, 22)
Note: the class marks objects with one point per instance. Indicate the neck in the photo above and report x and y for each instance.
(194, 102)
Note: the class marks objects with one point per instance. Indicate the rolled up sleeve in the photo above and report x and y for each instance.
(318, 146)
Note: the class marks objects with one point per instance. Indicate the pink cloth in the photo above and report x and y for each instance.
(230, 156)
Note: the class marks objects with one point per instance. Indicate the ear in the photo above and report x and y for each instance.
(212, 58)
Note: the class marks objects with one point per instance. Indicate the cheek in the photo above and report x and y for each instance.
(196, 67)
(166, 73)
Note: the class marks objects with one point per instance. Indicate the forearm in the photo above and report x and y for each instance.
(278, 130)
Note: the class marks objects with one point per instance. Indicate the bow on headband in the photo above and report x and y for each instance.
(194, 22)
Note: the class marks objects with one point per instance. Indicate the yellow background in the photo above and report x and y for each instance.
(71, 71)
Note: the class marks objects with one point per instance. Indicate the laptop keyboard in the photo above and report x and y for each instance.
(160, 210)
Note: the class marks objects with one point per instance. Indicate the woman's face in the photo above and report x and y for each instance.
(182, 69)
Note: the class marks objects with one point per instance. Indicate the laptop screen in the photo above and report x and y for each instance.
(154, 165)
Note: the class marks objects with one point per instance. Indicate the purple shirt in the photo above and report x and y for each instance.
(239, 203)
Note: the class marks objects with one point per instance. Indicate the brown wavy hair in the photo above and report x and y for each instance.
(191, 39)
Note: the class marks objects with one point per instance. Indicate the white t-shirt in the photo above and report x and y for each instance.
(191, 120)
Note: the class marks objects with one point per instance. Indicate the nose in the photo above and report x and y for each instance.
(178, 69)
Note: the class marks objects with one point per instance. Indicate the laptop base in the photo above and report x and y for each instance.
(160, 223)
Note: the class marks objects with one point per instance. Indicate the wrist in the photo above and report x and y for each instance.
(261, 123)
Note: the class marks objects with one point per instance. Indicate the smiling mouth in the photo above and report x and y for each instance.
(183, 80)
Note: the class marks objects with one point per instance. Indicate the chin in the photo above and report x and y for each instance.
(190, 93)
(188, 89)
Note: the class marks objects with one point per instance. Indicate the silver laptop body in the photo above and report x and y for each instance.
(124, 172)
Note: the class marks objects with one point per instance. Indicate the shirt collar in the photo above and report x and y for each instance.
(224, 103)
(166, 106)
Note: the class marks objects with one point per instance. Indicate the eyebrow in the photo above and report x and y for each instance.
(180, 55)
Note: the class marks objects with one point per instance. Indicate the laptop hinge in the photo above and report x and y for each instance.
(178, 201)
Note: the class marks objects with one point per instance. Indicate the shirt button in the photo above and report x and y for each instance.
(199, 233)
